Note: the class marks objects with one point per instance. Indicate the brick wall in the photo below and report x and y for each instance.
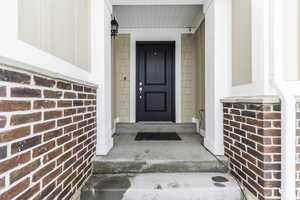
(298, 152)
(47, 135)
(252, 139)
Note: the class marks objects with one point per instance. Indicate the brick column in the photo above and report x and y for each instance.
(252, 139)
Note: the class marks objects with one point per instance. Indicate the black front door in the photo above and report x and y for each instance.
(155, 86)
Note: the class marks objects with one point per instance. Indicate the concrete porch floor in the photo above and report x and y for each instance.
(159, 170)
(130, 156)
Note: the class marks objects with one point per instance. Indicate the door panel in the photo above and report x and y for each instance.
(155, 81)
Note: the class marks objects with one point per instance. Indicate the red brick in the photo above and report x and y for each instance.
(14, 162)
(70, 162)
(78, 103)
(25, 144)
(43, 104)
(52, 114)
(82, 124)
(40, 81)
(3, 152)
(2, 91)
(15, 190)
(67, 190)
(77, 118)
(77, 88)
(70, 95)
(65, 121)
(70, 179)
(277, 124)
(45, 192)
(68, 112)
(14, 134)
(20, 173)
(11, 106)
(16, 77)
(52, 134)
(53, 175)
(249, 128)
(271, 132)
(64, 157)
(25, 92)
(70, 128)
(64, 175)
(2, 183)
(269, 116)
(63, 85)
(42, 172)
(29, 193)
(2, 121)
(87, 89)
(91, 96)
(64, 104)
(50, 156)
(43, 149)
(45, 126)
(82, 96)
(25, 118)
(69, 145)
(64, 139)
(52, 94)
(55, 193)
(81, 110)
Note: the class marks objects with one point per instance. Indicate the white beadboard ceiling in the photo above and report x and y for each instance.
(154, 16)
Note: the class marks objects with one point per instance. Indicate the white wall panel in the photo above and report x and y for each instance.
(83, 34)
(62, 27)
(30, 22)
(59, 27)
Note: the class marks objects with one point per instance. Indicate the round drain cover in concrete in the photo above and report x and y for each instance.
(219, 179)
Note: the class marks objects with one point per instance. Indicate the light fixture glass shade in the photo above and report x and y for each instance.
(114, 27)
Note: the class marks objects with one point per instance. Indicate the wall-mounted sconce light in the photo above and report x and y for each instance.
(114, 27)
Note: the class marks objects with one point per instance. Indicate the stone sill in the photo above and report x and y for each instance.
(253, 100)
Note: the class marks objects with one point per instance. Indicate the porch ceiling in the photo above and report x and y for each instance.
(154, 16)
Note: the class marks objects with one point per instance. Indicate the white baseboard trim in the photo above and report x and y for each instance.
(116, 120)
(196, 121)
(202, 132)
(104, 149)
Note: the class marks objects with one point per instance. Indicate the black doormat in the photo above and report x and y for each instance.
(155, 136)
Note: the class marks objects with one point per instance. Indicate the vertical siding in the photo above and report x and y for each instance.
(58, 27)
(121, 60)
(188, 87)
(241, 42)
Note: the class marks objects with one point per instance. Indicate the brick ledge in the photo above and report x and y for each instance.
(253, 99)
(16, 65)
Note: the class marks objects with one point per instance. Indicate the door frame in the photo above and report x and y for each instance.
(154, 35)
(173, 74)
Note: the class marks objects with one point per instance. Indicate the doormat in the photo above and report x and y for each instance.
(155, 136)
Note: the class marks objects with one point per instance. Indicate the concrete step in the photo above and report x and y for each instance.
(172, 186)
(156, 166)
(155, 127)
